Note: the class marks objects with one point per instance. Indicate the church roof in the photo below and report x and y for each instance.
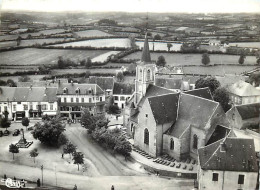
(170, 83)
(248, 111)
(164, 107)
(237, 154)
(146, 57)
(201, 92)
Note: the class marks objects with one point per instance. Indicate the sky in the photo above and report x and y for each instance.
(190, 6)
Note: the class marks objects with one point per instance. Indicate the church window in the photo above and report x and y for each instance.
(146, 115)
(172, 144)
(241, 179)
(195, 142)
(148, 77)
(215, 177)
(141, 73)
(146, 136)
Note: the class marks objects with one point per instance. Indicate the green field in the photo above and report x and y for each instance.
(175, 59)
(92, 33)
(33, 56)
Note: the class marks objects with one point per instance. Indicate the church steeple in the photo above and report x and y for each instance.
(146, 57)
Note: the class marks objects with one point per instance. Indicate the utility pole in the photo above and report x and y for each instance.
(42, 173)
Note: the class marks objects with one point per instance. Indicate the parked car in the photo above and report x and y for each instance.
(16, 132)
(1, 133)
(6, 133)
(30, 128)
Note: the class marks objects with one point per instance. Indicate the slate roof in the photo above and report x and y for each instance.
(84, 88)
(248, 111)
(25, 94)
(169, 83)
(242, 88)
(164, 107)
(193, 111)
(105, 83)
(239, 155)
(123, 88)
(201, 92)
(153, 90)
(220, 132)
(146, 57)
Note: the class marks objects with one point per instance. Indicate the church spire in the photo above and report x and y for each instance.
(146, 52)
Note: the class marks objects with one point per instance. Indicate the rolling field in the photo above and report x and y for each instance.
(71, 71)
(103, 57)
(160, 45)
(246, 44)
(92, 33)
(175, 59)
(33, 56)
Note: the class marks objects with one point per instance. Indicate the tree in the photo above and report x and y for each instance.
(221, 95)
(83, 62)
(258, 58)
(62, 140)
(69, 148)
(34, 153)
(88, 63)
(18, 40)
(157, 37)
(13, 149)
(132, 68)
(241, 59)
(11, 83)
(25, 122)
(161, 61)
(49, 132)
(211, 82)
(120, 76)
(88, 121)
(254, 79)
(78, 158)
(87, 74)
(169, 45)
(5, 123)
(60, 63)
(123, 146)
(205, 59)
(24, 78)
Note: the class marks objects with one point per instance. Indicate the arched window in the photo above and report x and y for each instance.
(195, 142)
(172, 144)
(148, 76)
(140, 73)
(146, 136)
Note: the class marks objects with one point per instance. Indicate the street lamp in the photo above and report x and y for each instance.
(42, 173)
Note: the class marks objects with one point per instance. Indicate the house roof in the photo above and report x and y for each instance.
(242, 88)
(164, 107)
(248, 111)
(123, 88)
(193, 111)
(106, 83)
(72, 87)
(201, 92)
(6, 93)
(169, 83)
(153, 90)
(239, 155)
(146, 57)
(220, 132)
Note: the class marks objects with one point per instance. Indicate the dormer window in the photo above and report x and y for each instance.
(148, 76)
(77, 91)
(65, 90)
(89, 91)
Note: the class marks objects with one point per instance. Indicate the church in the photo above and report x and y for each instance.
(167, 121)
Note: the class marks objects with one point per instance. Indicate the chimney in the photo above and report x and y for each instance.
(223, 147)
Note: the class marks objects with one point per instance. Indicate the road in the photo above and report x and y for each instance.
(67, 180)
(106, 164)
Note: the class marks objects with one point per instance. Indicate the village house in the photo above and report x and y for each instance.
(162, 120)
(121, 93)
(105, 83)
(75, 97)
(229, 163)
(31, 102)
(244, 116)
(242, 92)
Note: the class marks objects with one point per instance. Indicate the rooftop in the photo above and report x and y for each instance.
(242, 88)
(248, 111)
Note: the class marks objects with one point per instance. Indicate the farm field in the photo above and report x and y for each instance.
(103, 57)
(8, 44)
(160, 45)
(217, 70)
(246, 44)
(175, 59)
(111, 42)
(71, 71)
(34, 56)
(92, 33)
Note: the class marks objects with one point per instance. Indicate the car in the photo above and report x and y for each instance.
(1, 133)
(30, 128)
(6, 133)
(16, 132)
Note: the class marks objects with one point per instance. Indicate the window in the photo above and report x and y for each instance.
(241, 179)
(44, 107)
(195, 142)
(116, 97)
(141, 72)
(25, 107)
(77, 100)
(90, 109)
(100, 99)
(215, 177)
(122, 98)
(31, 107)
(146, 115)
(82, 99)
(77, 91)
(51, 106)
(5, 108)
(146, 136)
(0, 109)
(65, 90)
(90, 100)
(71, 99)
(14, 107)
(148, 76)
(172, 144)
(65, 100)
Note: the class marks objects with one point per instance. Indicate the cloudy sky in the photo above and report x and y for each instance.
(191, 6)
